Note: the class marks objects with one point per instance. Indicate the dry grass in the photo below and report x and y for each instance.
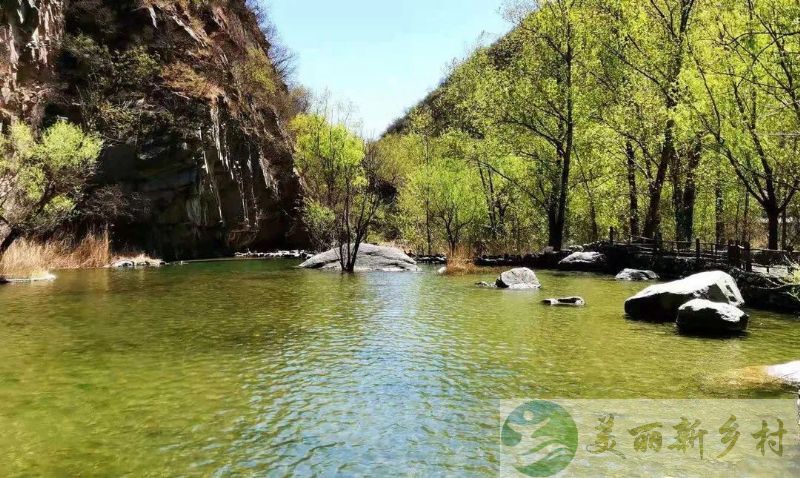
(28, 259)
(462, 263)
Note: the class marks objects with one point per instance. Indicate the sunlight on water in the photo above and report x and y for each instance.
(240, 368)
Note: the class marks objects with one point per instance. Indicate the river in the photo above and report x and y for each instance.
(255, 367)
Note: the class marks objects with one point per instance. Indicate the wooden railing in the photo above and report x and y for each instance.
(734, 254)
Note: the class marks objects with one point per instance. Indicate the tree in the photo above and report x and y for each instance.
(447, 190)
(751, 99)
(648, 41)
(541, 90)
(340, 172)
(42, 180)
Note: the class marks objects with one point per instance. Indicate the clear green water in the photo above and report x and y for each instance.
(256, 368)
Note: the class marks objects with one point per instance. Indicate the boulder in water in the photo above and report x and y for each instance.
(565, 302)
(661, 302)
(519, 279)
(370, 258)
(636, 275)
(583, 261)
(787, 373)
(700, 316)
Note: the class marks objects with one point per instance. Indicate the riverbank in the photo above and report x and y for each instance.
(30, 260)
(761, 290)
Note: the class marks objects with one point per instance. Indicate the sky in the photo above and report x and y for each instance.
(382, 56)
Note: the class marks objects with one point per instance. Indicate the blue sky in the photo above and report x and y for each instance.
(381, 55)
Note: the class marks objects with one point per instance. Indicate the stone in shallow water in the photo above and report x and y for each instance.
(566, 302)
(661, 302)
(636, 275)
(788, 373)
(370, 258)
(706, 317)
(519, 279)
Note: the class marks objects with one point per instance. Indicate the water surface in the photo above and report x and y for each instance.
(256, 368)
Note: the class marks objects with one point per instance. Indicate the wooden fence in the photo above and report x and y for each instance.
(733, 254)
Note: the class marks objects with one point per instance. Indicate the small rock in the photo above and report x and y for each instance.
(485, 285)
(566, 302)
(123, 264)
(636, 275)
(518, 279)
(442, 271)
(706, 317)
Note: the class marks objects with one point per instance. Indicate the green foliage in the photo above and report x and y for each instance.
(340, 172)
(41, 180)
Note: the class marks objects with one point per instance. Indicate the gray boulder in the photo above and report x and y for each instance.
(661, 302)
(583, 261)
(787, 373)
(370, 258)
(565, 302)
(700, 316)
(636, 275)
(519, 279)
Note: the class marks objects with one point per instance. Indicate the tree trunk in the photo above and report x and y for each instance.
(652, 223)
(12, 236)
(773, 220)
(633, 214)
(720, 214)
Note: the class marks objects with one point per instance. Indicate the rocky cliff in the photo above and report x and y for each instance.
(189, 102)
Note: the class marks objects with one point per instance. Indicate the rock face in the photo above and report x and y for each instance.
(194, 147)
(700, 316)
(661, 302)
(565, 302)
(370, 258)
(518, 279)
(768, 292)
(636, 275)
(583, 261)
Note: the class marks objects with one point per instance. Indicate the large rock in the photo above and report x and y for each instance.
(700, 316)
(583, 261)
(661, 302)
(636, 275)
(370, 258)
(519, 279)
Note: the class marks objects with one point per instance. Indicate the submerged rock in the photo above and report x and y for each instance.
(584, 261)
(519, 279)
(661, 302)
(705, 317)
(636, 275)
(45, 277)
(486, 285)
(370, 258)
(566, 302)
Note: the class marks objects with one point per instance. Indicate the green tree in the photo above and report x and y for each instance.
(750, 78)
(340, 172)
(41, 180)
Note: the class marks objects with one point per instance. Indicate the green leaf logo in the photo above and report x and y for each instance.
(542, 436)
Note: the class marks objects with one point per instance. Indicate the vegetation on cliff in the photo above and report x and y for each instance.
(191, 100)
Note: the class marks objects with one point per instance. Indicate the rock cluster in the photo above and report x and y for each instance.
(703, 303)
